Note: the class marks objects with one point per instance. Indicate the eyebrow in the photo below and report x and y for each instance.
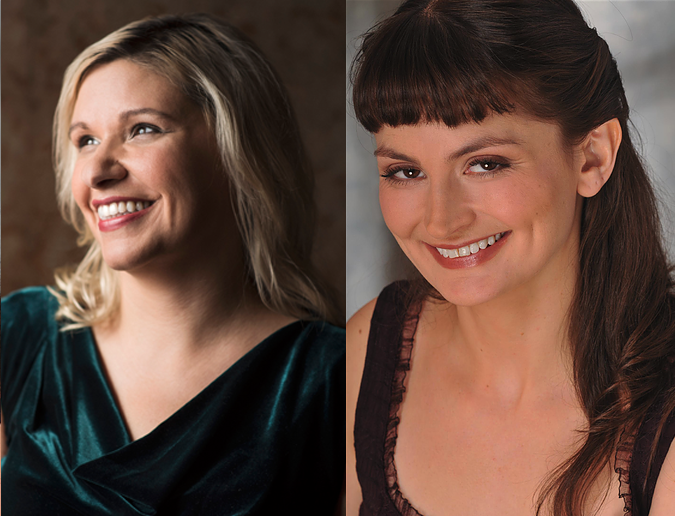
(126, 115)
(473, 146)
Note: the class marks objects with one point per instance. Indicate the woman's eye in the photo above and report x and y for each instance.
(141, 129)
(402, 174)
(486, 167)
(85, 141)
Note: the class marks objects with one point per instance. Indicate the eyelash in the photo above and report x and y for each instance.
(390, 174)
(499, 162)
(82, 142)
(138, 127)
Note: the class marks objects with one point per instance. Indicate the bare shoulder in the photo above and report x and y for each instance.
(362, 316)
(664, 492)
(358, 328)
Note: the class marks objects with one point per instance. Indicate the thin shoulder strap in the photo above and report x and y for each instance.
(642, 499)
(372, 409)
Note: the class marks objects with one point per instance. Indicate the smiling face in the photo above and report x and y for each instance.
(481, 209)
(147, 176)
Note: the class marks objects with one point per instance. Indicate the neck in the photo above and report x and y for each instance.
(185, 307)
(516, 346)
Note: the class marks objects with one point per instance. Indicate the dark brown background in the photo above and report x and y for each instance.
(302, 38)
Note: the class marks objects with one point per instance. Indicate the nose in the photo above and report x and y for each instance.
(101, 166)
(447, 211)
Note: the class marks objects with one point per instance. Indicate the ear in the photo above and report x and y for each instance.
(598, 156)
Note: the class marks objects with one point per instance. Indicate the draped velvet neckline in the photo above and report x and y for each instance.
(268, 432)
(96, 362)
(110, 468)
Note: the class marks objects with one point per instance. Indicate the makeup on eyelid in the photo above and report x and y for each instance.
(149, 129)
(144, 178)
(411, 173)
(479, 209)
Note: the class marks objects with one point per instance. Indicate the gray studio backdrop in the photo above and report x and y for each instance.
(641, 37)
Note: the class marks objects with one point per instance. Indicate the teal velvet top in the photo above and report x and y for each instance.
(265, 437)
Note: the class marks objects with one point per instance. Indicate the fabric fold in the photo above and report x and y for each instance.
(267, 433)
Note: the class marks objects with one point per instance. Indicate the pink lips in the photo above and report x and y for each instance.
(120, 221)
(472, 260)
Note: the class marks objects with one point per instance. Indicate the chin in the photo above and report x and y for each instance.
(124, 259)
(466, 292)
(119, 265)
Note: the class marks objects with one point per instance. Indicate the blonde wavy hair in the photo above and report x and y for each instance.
(269, 176)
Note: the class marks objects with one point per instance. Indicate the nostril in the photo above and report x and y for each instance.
(105, 182)
(101, 174)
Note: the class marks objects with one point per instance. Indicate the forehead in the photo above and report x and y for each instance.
(495, 129)
(123, 85)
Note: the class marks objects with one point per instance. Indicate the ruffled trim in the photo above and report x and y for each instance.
(397, 393)
(622, 458)
(622, 462)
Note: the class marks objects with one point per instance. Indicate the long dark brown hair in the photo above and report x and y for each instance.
(457, 61)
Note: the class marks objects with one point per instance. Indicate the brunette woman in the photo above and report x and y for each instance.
(530, 367)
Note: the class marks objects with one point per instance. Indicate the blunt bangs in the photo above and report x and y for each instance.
(415, 68)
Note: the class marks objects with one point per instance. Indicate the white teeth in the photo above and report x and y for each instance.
(449, 253)
(107, 211)
(472, 248)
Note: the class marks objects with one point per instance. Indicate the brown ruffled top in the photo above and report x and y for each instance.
(622, 462)
(383, 386)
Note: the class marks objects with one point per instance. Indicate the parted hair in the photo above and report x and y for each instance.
(458, 61)
(269, 176)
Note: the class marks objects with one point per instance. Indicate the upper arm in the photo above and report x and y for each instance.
(3, 441)
(3, 449)
(357, 342)
(664, 492)
(3, 446)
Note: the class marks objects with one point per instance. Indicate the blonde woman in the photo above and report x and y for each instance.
(188, 365)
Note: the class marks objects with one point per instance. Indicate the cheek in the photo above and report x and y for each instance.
(544, 207)
(179, 170)
(554, 198)
(81, 195)
(529, 198)
(153, 167)
(80, 190)
(401, 209)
